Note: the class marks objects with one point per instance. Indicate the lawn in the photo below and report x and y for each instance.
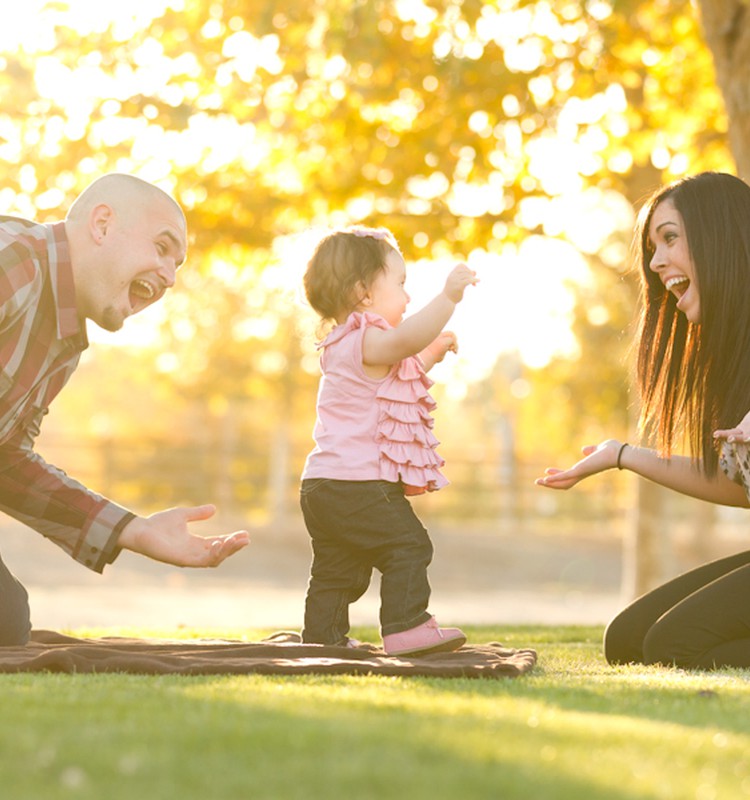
(573, 728)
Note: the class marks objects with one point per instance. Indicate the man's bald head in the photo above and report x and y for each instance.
(126, 239)
(122, 192)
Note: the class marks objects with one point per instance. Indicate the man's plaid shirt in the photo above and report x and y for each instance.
(41, 341)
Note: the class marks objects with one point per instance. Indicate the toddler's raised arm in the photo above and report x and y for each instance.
(415, 333)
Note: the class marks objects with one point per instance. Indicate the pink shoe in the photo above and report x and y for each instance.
(425, 638)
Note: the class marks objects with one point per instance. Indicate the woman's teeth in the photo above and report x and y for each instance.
(672, 282)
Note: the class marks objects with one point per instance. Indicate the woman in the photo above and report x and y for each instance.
(693, 374)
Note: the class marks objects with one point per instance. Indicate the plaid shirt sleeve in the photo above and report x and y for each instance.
(82, 523)
(40, 341)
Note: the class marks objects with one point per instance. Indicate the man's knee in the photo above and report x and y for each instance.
(15, 635)
(15, 616)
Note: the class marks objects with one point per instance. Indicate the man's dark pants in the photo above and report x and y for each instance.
(15, 616)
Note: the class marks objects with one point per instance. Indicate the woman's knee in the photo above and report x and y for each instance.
(658, 649)
(669, 646)
(620, 642)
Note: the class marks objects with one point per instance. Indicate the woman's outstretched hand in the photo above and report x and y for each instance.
(597, 458)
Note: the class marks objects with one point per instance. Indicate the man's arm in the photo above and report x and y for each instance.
(93, 529)
(85, 525)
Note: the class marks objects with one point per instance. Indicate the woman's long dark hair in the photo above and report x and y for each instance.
(695, 378)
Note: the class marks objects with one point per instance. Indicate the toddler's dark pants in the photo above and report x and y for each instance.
(356, 526)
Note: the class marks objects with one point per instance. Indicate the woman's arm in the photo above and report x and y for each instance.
(678, 473)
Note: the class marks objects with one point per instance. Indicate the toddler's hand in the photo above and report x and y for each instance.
(459, 278)
(446, 342)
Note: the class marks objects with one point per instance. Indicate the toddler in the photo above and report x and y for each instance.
(374, 441)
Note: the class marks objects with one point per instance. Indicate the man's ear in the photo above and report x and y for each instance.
(100, 219)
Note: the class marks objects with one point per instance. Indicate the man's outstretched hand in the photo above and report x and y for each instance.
(164, 536)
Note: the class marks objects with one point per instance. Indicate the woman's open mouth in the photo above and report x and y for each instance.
(678, 286)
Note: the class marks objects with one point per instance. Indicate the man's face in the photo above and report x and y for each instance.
(139, 256)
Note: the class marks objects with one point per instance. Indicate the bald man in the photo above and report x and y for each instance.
(116, 252)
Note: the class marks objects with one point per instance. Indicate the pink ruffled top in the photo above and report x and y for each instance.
(369, 428)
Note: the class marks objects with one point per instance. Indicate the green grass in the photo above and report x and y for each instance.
(573, 728)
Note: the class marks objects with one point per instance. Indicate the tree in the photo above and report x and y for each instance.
(726, 25)
(463, 125)
(437, 118)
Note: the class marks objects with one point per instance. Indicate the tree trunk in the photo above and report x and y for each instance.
(726, 28)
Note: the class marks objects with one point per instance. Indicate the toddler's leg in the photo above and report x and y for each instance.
(403, 557)
(337, 578)
(340, 572)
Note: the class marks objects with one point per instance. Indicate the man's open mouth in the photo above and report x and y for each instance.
(141, 290)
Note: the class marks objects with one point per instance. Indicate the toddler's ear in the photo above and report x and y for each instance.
(363, 294)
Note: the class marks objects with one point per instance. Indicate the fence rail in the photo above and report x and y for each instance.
(260, 479)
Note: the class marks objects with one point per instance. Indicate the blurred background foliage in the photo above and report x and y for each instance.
(473, 129)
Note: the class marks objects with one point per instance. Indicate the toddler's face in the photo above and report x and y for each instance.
(387, 295)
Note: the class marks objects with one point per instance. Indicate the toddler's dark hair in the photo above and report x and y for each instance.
(345, 263)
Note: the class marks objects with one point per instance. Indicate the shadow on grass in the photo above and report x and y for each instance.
(307, 738)
(573, 675)
(574, 728)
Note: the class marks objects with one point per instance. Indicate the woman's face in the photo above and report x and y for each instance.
(671, 259)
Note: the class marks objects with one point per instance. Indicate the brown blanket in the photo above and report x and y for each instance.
(280, 654)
